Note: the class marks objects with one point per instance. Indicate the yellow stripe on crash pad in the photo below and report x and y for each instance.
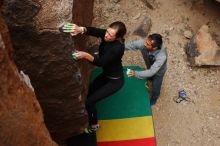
(125, 129)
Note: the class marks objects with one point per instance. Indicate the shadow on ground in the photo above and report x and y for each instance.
(82, 140)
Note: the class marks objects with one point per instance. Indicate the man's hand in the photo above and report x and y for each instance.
(131, 73)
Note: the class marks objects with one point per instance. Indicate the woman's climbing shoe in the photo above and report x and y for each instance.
(153, 100)
(90, 129)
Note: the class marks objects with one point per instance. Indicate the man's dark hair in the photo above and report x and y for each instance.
(121, 29)
(157, 40)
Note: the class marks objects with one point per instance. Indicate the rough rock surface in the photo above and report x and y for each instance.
(21, 117)
(202, 49)
(44, 54)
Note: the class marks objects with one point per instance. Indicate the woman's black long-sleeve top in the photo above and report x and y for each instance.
(110, 54)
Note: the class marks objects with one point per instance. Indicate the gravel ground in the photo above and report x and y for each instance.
(193, 123)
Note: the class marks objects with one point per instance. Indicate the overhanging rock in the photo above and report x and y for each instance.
(21, 117)
(44, 54)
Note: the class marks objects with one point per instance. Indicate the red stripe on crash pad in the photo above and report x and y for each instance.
(134, 142)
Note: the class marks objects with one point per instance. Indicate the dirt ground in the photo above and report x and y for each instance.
(187, 123)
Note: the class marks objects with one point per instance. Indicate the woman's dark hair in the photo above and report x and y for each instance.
(157, 40)
(121, 30)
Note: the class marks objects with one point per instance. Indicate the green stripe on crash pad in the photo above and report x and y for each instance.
(132, 100)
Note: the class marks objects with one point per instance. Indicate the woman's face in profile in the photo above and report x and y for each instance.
(110, 35)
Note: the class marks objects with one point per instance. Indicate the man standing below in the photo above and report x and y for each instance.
(155, 57)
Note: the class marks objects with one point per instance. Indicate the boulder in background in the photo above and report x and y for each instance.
(203, 49)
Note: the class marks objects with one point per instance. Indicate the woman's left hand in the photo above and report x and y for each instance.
(84, 55)
(81, 55)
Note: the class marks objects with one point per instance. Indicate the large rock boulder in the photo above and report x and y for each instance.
(143, 29)
(21, 117)
(44, 54)
(202, 49)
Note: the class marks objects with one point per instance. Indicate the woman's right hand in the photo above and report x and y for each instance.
(73, 29)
